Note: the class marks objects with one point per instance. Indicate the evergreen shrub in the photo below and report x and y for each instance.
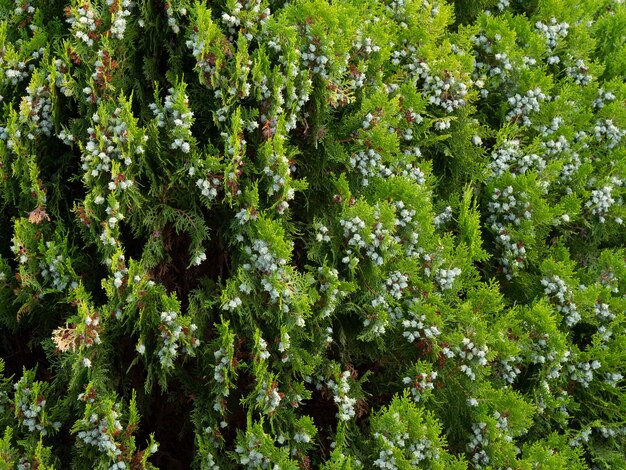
(306, 234)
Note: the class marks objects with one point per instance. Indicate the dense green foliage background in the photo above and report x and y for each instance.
(310, 234)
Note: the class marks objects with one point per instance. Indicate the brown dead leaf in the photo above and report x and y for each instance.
(65, 339)
(38, 215)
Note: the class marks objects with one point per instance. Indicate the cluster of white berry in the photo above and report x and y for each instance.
(409, 170)
(604, 333)
(404, 215)
(380, 322)
(446, 277)
(283, 346)
(35, 55)
(4, 136)
(370, 120)
(600, 202)
(369, 164)
(408, 233)
(603, 97)
(557, 290)
(269, 397)
(223, 360)
(557, 146)
(552, 32)
(247, 16)
(603, 313)
(416, 328)
(263, 259)
(172, 21)
(582, 437)
(607, 432)
(421, 450)
(18, 248)
(474, 356)
(386, 459)
(364, 46)
(114, 215)
(420, 384)
(396, 284)
(433, 8)
(521, 106)
(582, 372)
(414, 65)
(176, 117)
(327, 335)
(14, 70)
(302, 437)
(108, 141)
(508, 368)
(263, 94)
(502, 423)
(173, 332)
(380, 239)
(508, 157)
(208, 186)
(503, 5)
(23, 7)
(34, 119)
(205, 60)
(62, 78)
(120, 10)
(539, 351)
(572, 163)
(496, 64)
(24, 464)
(36, 111)
(53, 270)
(352, 231)
(84, 22)
(119, 269)
(408, 134)
(580, 73)
(232, 304)
(329, 288)
(313, 54)
(417, 450)
(207, 458)
(263, 353)
(555, 125)
(250, 455)
(443, 218)
(504, 209)
(97, 431)
(397, 9)
(447, 93)
(198, 258)
(477, 445)
(322, 233)
(277, 170)
(605, 130)
(612, 378)
(272, 270)
(296, 96)
(29, 407)
(109, 233)
(442, 124)
(340, 390)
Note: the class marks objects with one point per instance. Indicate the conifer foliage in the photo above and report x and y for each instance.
(307, 234)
